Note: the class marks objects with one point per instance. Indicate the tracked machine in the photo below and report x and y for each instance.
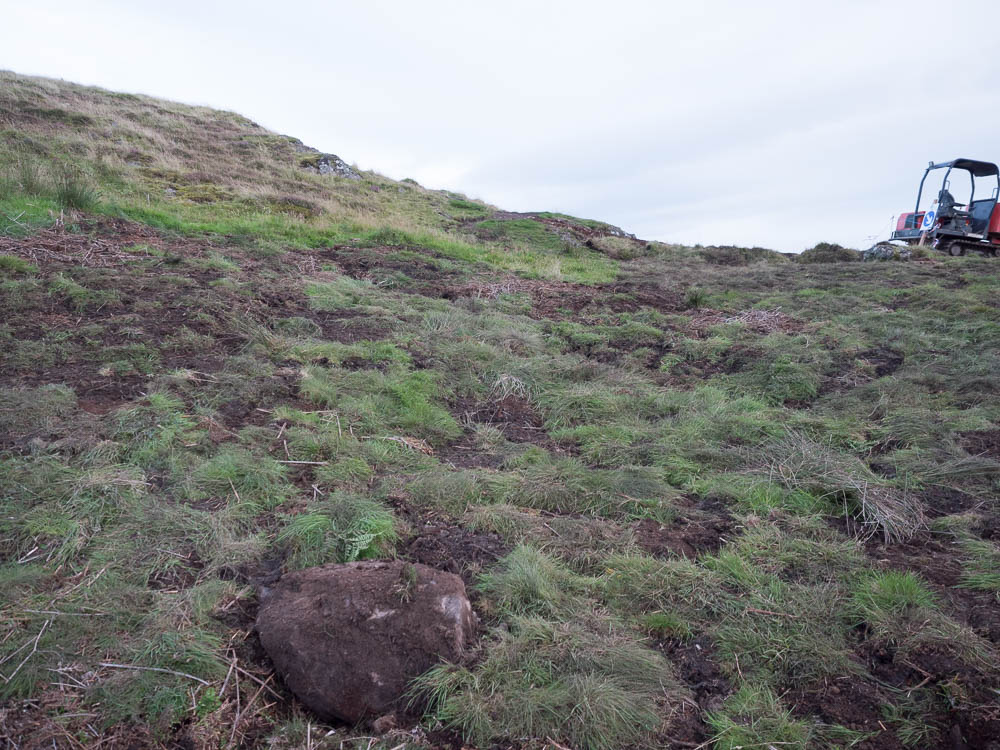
(968, 224)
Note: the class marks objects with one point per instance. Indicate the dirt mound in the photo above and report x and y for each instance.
(347, 639)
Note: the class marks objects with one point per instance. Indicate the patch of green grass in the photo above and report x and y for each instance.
(136, 694)
(344, 293)
(805, 641)
(72, 190)
(153, 433)
(762, 497)
(451, 491)
(340, 528)
(666, 625)
(784, 379)
(529, 232)
(20, 215)
(981, 569)
(527, 582)
(399, 402)
(909, 718)
(883, 596)
(347, 472)
(251, 481)
(696, 298)
(637, 584)
(11, 264)
(594, 691)
(60, 508)
(43, 409)
(215, 261)
(567, 485)
(28, 176)
(755, 717)
(128, 358)
(79, 297)
(466, 209)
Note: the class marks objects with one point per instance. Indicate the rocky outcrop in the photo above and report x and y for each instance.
(328, 164)
(347, 639)
(887, 251)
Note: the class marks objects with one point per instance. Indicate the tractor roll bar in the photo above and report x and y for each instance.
(973, 167)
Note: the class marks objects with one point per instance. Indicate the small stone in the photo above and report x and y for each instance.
(384, 724)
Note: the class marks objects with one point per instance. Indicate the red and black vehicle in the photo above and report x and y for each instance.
(956, 226)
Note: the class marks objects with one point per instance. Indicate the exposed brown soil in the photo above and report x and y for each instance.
(513, 415)
(982, 443)
(945, 501)
(972, 725)
(850, 702)
(699, 529)
(38, 723)
(850, 371)
(687, 540)
(465, 453)
(100, 404)
(438, 542)
(685, 374)
(373, 263)
(938, 559)
(885, 361)
(695, 663)
(100, 247)
(151, 308)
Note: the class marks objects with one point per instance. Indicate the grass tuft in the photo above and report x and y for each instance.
(558, 681)
(528, 582)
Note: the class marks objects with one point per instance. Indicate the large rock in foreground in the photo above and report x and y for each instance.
(347, 639)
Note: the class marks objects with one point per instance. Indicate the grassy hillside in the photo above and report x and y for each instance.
(704, 497)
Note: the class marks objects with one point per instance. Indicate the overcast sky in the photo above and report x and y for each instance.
(770, 123)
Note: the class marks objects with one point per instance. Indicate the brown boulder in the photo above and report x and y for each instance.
(348, 638)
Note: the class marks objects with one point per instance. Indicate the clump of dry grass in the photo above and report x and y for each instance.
(800, 463)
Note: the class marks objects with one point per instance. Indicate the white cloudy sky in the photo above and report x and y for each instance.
(714, 121)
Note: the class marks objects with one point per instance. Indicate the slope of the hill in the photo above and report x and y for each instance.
(705, 497)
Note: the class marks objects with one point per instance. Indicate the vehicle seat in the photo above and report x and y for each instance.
(948, 206)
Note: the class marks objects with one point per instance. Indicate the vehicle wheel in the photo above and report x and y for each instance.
(956, 248)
